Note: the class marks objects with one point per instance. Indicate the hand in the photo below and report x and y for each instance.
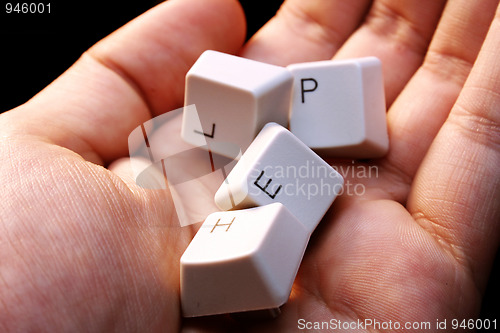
(417, 246)
(82, 247)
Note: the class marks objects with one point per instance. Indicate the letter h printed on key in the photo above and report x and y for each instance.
(217, 224)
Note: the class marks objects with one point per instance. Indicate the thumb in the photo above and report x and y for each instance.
(133, 74)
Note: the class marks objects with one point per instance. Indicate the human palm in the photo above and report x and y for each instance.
(82, 247)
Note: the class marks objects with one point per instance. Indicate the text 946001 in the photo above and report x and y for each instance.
(27, 8)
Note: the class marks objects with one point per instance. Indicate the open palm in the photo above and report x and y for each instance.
(82, 247)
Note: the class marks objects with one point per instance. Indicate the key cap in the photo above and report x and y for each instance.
(338, 107)
(278, 167)
(243, 260)
(235, 98)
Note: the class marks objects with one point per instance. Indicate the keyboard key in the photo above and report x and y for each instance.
(234, 98)
(338, 107)
(278, 167)
(242, 260)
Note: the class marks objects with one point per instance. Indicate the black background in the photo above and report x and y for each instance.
(36, 48)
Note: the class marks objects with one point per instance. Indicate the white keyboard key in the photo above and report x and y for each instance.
(338, 107)
(278, 167)
(242, 260)
(234, 98)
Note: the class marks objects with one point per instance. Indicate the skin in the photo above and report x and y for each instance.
(82, 248)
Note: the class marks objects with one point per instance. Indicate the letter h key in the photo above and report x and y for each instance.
(246, 263)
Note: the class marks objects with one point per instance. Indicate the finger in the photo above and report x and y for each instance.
(134, 73)
(305, 31)
(456, 194)
(398, 33)
(430, 94)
